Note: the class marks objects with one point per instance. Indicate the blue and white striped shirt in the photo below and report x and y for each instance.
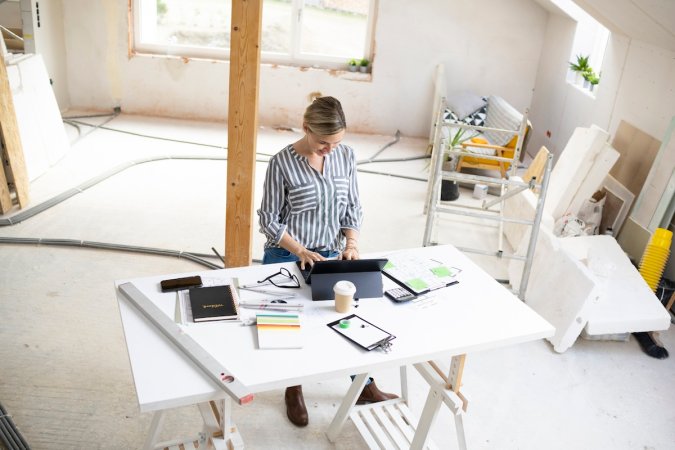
(311, 207)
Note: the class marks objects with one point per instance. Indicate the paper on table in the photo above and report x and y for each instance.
(419, 274)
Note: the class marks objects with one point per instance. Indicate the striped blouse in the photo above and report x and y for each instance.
(309, 206)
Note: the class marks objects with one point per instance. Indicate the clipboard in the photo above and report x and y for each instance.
(363, 333)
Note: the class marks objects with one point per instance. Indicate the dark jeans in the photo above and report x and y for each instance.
(279, 255)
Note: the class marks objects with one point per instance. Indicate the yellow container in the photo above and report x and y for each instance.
(655, 257)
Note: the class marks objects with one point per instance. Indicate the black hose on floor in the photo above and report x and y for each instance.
(9, 434)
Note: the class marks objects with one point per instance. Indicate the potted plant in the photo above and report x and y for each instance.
(353, 65)
(580, 67)
(593, 80)
(364, 65)
(450, 188)
(590, 79)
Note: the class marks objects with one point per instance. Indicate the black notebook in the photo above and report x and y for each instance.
(213, 303)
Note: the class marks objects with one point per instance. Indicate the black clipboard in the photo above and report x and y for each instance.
(363, 333)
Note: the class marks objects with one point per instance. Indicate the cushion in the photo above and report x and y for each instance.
(480, 150)
(503, 116)
(477, 118)
(464, 103)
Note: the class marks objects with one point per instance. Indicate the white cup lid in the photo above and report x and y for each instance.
(344, 287)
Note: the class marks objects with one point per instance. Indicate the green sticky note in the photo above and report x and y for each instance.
(417, 283)
(389, 265)
(441, 271)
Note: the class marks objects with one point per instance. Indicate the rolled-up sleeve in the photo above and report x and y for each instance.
(272, 201)
(354, 212)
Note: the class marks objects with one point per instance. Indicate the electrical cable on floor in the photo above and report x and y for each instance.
(27, 214)
(9, 434)
(397, 137)
(75, 123)
(109, 246)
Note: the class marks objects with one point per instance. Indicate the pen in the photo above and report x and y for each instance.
(273, 303)
(279, 295)
(263, 307)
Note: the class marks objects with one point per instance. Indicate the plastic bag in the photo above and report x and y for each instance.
(591, 212)
(569, 225)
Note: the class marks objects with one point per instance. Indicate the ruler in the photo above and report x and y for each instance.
(207, 363)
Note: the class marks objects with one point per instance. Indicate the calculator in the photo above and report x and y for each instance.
(399, 294)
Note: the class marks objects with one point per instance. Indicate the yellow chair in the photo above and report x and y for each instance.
(506, 151)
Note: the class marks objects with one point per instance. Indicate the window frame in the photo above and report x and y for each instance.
(293, 58)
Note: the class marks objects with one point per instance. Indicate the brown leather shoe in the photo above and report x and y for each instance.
(295, 406)
(371, 394)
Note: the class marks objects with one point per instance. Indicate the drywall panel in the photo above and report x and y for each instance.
(496, 53)
(637, 150)
(633, 239)
(656, 194)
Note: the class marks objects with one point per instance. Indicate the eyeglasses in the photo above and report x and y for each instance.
(282, 276)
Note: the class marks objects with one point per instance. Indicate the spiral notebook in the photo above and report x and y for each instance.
(214, 303)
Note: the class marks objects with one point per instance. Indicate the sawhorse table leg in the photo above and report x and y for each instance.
(347, 404)
(218, 429)
(442, 389)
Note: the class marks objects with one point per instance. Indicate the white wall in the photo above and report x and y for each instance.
(491, 48)
(49, 42)
(646, 93)
(637, 85)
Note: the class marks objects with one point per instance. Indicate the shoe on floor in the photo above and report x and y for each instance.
(295, 406)
(371, 394)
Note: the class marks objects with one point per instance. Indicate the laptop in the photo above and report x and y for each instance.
(366, 274)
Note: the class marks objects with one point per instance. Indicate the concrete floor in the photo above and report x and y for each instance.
(64, 373)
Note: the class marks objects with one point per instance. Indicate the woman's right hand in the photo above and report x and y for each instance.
(308, 258)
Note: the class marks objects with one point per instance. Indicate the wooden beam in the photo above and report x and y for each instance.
(13, 165)
(242, 130)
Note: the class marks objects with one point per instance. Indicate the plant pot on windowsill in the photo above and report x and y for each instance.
(449, 188)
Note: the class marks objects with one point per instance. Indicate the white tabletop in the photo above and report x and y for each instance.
(476, 314)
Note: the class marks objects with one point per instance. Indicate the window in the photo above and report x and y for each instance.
(590, 41)
(321, 33)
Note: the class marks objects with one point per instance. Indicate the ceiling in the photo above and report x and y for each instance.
(651, 21)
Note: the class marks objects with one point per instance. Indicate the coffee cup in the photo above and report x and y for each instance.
(344, 296)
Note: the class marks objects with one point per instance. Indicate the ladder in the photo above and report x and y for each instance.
(509, 187)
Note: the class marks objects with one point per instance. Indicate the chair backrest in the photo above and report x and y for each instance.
(501, 115)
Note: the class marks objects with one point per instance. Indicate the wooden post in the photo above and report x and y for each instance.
(242, 130)
(12, 150)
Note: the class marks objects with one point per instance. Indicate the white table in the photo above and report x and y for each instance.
(476, 314)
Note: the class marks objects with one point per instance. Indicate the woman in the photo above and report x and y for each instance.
(311, 210)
